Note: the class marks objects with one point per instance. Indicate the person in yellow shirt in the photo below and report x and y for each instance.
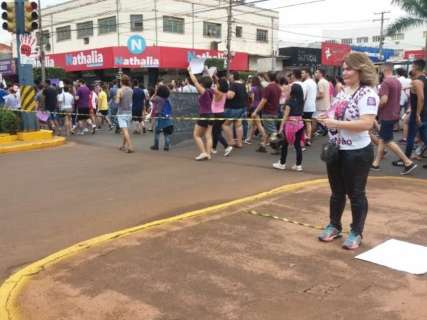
(103, 106)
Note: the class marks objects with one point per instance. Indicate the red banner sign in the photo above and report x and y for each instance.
(414, 54)
(333, 54)
(152, 57)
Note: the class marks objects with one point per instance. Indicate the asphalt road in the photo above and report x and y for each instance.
(54, 198)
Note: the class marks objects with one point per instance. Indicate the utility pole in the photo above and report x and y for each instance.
(381, 46)
(192, 22)
(155, 23)
(120, 73)
(229, 22)
(273, 60)
(41, 45)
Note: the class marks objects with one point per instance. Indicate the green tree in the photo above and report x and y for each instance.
(416, 16)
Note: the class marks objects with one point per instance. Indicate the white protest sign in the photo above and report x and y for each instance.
(197, 65)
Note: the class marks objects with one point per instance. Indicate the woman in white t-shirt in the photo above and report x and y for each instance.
(351, 117)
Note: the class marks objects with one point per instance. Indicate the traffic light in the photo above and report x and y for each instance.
(9, 16)
(31, 16)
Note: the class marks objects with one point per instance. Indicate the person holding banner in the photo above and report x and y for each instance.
(203, 127)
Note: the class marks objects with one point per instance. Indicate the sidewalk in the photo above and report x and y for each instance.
(26, 141)
(231, 264)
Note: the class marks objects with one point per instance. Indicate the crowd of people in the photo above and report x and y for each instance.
(278, 108)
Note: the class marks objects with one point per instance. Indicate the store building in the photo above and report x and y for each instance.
(92, 36)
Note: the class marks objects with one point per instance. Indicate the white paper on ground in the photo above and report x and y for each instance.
(197, 65)
(398, 255)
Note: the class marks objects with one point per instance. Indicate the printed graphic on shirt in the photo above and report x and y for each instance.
(371, 101)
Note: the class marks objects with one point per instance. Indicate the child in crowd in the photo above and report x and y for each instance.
(162, 112)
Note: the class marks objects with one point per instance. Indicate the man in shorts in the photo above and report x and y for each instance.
(389, 113)
(234, 110)
(269, 107)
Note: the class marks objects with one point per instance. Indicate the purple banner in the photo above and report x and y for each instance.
(7, 67)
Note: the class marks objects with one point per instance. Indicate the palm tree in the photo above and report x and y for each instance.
(416, 16)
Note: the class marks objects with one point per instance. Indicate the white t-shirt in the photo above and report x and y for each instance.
(304, 89)
(189, 89)
(323, 104)
(364, 102)
(406, 86)
(310, 100)
(65, 101)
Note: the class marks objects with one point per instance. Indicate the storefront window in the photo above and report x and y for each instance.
(212, 30)
(107, 25)
(84, 29)
(173, 25)
(239, 32)
(136, 22)
(63, 33)
(261, 35)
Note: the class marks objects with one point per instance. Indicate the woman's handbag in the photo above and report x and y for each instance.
(330, 153)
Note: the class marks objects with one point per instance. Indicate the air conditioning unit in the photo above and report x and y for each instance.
(214, 45)
(86, 40)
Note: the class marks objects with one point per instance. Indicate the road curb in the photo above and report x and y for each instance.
(11, 288)
(32, 145)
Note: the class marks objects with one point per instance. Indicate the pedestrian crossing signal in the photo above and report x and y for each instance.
(31, 16)
(8, 16)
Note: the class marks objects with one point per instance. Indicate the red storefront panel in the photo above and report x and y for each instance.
(333, 54)
(414, 54)
(153, 57)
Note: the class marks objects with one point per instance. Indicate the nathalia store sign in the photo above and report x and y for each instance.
(91, 60)
(152, 57)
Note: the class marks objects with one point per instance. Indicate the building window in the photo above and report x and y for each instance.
(63, 33)
(84, 29)
(376, 38)
(212, 30)
(397, 36)
(239, 32)
(45, 37)
(173, 25)
(347, 41)
(136, 22)
(261, 35)
(107, 25)
(362, 40)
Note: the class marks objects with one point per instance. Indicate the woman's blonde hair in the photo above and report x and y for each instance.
(360, 62)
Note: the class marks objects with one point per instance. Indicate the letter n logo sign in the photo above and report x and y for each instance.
(136, 44)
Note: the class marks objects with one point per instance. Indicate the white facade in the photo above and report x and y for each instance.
(412, 39)
(196, 14)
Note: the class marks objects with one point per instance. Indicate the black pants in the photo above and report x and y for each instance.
(348, 177)
(298, 149)
(217, 132)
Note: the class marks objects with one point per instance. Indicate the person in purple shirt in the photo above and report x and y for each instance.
(83, 107)
(389, 114)
(203, 128)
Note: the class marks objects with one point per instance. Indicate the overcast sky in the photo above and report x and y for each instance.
(310, 19)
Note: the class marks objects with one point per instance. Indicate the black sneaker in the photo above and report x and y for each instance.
(261, 149)
(154, 148)
(398, 163)
(408, 169)
(166, 149)
(375, 168)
